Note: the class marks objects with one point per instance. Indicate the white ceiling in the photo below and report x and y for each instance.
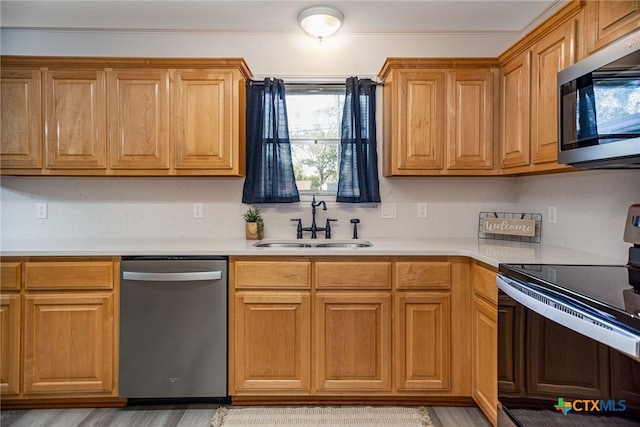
(274, 17)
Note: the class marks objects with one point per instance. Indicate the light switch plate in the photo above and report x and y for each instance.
(389, 210)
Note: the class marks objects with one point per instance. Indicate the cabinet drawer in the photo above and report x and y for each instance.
(69, 275)
(484, 283)
(10, 275)
(272, 274)
(345, 275)
(423, 275)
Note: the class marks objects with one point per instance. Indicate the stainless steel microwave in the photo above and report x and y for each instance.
(599, 108)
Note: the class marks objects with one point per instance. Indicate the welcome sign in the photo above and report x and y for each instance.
(513, 227)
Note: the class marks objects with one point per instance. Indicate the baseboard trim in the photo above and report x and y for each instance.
(353, 400)
(69, 402)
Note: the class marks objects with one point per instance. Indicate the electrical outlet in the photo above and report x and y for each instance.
(389, 210)
(198, 211)
(552, 214)
(42, 211)
(422, 210)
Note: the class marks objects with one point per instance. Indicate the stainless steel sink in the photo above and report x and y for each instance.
(308, 244)
(281, 245)
(361, 244)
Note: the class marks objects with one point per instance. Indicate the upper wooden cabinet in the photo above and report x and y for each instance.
(21, 104)
(470, 119)
(208, 120)
(438, 116)
(608, 20)
(555, 52)
(123, 116)
(138, 119)
(516, 102)
(75, 129)
(528, 83)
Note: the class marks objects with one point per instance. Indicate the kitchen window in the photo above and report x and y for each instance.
(315, 116)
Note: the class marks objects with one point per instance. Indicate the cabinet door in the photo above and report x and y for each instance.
(10, 344)
(555, 52)
(353, 341)
(418, 143)
(608, 20)
(423, 341)
(21, 106)
(514, 133)
(206, 107)
(485, 357)
(270, 346)
(69, 344)
(75, 119)
(470, 130)
(139, 119)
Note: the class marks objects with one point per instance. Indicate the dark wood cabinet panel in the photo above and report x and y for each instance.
(554, 372)
(510, 346)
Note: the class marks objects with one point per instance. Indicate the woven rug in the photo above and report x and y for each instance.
(326, 416)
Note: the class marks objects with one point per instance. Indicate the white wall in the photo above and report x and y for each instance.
(124, 207)
(273, 55)
(591, 205)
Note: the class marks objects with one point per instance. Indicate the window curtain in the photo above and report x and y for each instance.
(358, 170)
(270, 177)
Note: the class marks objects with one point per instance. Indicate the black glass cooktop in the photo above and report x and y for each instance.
(612, 290)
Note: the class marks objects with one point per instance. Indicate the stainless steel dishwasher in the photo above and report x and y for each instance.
(173, 328)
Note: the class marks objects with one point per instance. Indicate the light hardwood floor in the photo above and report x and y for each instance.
(182, 416)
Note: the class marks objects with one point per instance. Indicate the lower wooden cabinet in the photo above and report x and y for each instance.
(271, 345)
(349, 327)
(353, 341)
(485, 357)
(10, 345)
(59, 330)
(69, 343)
(484, 341)
(423, 341)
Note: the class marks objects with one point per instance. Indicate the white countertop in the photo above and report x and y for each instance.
(492, 252)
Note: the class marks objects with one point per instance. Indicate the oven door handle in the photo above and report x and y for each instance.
(571, 317)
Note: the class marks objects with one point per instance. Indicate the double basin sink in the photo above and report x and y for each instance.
(313, 244)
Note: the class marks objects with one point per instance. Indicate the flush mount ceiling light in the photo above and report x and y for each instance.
(320, 21)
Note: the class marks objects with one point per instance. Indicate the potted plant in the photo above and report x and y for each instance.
(254, 227)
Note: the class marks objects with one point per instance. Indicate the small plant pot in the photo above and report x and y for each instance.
(252, 232)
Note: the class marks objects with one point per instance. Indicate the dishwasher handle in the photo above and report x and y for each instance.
(192, 276)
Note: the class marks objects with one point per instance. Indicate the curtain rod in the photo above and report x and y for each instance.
(335, 84)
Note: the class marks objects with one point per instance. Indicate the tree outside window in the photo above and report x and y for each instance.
(315, 115)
